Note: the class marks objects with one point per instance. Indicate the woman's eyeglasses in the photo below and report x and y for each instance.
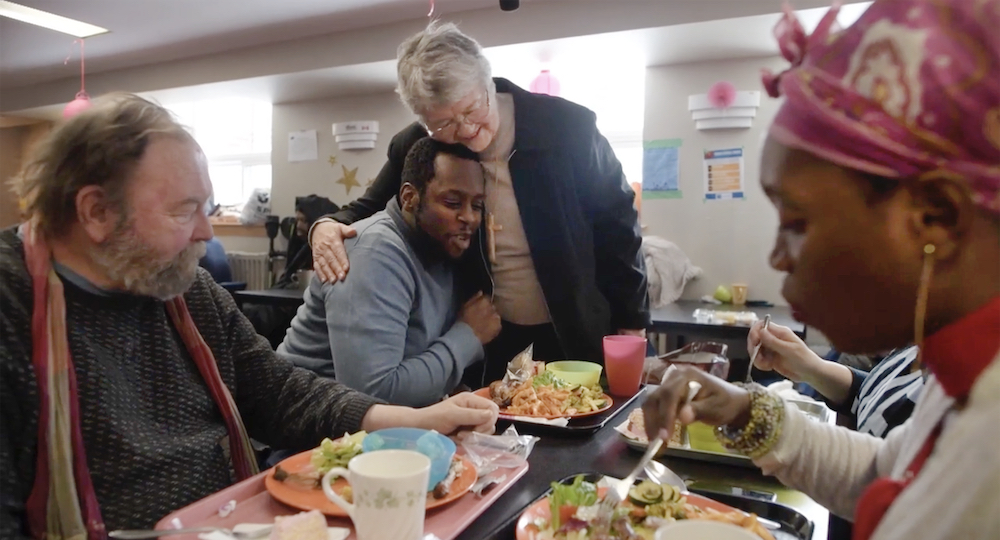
(474, 115)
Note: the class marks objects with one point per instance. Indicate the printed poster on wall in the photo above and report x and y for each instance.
(724, 174)
(661, 169)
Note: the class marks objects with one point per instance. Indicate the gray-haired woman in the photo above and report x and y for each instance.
(559, 249)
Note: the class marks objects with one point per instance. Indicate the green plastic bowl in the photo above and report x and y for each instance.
(576, 371)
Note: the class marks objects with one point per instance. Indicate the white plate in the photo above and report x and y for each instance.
(689, 529)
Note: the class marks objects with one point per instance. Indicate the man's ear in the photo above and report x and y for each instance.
(944, 211)
(409, 197)
(94, 213)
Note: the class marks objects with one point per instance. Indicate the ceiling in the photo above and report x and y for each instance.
(306, 49)
(153, 31)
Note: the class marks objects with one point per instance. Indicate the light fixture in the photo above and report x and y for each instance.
(356, 135)
(49, 20)
(724, 107)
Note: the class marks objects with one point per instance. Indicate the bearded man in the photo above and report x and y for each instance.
(131, 383)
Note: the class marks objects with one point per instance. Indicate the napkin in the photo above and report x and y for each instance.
(786, 391)
(561, 422)
(623, 429)
(333, 533)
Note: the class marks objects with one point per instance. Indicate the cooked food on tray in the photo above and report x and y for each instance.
(337, 453)
(329, 454)
(443, 488)
(573, 511)
(636, 429)
(309, 525)
(546, 395)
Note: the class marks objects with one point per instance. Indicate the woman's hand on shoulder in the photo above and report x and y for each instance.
(329, 255)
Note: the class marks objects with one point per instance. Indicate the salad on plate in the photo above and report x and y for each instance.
(570, 512)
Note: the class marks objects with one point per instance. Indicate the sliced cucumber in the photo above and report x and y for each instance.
(647, 492)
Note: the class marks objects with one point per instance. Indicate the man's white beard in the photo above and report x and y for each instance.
(128, 261)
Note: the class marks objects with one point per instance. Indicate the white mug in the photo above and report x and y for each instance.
(390, 493)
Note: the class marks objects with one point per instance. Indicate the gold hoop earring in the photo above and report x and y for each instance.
(923, 291)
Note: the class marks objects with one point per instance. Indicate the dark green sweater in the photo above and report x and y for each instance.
(151, 429)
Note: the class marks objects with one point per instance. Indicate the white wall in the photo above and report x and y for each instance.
(292, 180)
(730, 240)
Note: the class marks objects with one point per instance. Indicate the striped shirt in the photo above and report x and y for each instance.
(884, 397)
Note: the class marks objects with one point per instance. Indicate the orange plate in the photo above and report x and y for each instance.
(526, 529)
(485, 392)
(305, 498)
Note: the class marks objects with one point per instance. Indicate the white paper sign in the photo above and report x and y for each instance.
(302, 145)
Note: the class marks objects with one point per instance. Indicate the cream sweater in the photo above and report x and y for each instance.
(956, 495)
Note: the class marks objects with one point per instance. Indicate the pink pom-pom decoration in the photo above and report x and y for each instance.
(722, 94)
(78, 105)
(545, 83)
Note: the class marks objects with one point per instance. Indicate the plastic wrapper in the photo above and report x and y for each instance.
(732, 318)
(523, 367)
(509, 449)
(707, 356)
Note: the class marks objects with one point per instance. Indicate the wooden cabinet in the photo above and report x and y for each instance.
(17, 136)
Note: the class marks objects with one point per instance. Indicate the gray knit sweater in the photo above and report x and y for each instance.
(391, 329)
(152, 432)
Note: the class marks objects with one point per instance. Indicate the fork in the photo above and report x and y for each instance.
(135, 534)
(618, 489)
(753, 355)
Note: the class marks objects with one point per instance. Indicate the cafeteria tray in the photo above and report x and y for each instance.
(794, 525)
(252, 503)
(586, 425)
(816, 410)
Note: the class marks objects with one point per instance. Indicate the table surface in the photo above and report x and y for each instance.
(605, 452)
(679, 316)
(290, 297)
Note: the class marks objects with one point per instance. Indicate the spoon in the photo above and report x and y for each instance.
(659, 473)
(141, 534)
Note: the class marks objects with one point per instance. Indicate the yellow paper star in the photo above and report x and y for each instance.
(369, 183)
(349, 179)
(332, 160)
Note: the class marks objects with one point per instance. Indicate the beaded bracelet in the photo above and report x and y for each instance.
(767, 414)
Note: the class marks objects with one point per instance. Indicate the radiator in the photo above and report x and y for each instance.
(252, 268)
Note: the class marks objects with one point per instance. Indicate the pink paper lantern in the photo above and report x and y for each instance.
(78, 105)
(722, 94)
(545, 83)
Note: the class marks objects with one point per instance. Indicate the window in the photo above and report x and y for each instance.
(235, 134)
(618, 98)
(609, 83)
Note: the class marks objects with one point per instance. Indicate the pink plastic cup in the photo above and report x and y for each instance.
(623, 362)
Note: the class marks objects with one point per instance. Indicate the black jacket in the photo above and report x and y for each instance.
(578, 215)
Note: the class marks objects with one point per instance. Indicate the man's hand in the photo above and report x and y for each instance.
(480, 314)
(627, 332)
(462, 412)
(329, 256)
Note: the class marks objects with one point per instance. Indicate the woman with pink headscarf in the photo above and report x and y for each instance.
(884, 165)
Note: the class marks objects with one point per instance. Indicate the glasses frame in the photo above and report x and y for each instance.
(463, 119)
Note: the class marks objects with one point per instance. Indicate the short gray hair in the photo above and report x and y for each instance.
(439, 66)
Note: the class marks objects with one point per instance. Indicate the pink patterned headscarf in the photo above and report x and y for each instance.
(909, 91)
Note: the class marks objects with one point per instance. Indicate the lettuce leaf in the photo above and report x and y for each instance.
(579, 493)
